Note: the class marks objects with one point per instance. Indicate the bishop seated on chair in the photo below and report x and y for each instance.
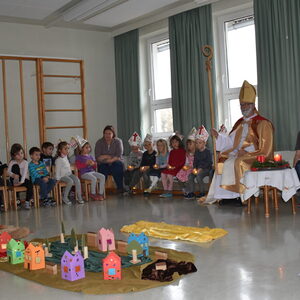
(251, 135)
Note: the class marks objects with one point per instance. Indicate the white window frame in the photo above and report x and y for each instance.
(156, 104)
(228, 93)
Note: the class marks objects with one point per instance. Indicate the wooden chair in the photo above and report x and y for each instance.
(54, 191)
(86, 183)
(60, 185)
(4, 190)
(274, 191)
(16, 189)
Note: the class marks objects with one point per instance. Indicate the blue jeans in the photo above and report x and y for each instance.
(116, 169)
(45, 187)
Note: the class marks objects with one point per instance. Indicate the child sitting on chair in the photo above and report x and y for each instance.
(161, 163)
(202, 166)
(47, 154)
(186, 170)
(175, 163)
(40, 176)
(64, 173)
(132, 174)
(87, 165)
(18, 172)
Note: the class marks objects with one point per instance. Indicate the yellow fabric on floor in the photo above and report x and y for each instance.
(175, 232)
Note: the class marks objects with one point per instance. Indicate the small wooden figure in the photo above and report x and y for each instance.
(161, 266)
(5, 237)
(106, 240)
(134, 260)
(51, 268)
(112, 266)
(121, 246)
(72, 267)
(160, 255)
(34, 257)
(15, 252)
(91, 239)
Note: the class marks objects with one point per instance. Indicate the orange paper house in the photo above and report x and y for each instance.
(34, 257)
(4, 239)
(112, 266)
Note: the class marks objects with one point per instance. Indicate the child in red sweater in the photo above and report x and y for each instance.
(175, 163)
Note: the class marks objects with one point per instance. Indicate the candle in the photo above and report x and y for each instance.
(195, 171)
(134, 260)
(170, 167)
(85, 252)
(277, 157)
(156, 166)
(62, 238)
(185, 168)
(130, 167)
(261, 158)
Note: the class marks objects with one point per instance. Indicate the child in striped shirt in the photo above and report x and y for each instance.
(40, 176)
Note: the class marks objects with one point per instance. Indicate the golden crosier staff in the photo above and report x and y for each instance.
(207, 51)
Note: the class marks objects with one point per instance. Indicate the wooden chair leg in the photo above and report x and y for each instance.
(249, 206)
(266, 200)
(294, 205)
(15, 199)
(5, 199)
(275, 198)
(256, 200)
(86, 192)
(59, 193)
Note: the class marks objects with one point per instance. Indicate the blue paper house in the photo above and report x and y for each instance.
(142, 239)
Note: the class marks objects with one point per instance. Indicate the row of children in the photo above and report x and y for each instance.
(188, 165)
(22, 173)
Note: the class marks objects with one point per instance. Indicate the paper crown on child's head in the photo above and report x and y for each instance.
(223, 129)
(148, 138)
(135, 140)
(77, 141)
(202, 134)
(192, 135)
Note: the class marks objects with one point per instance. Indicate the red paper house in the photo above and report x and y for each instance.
(112, 266)
(4, 239)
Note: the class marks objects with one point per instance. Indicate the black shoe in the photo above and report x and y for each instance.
(238, 202)
(201, 195)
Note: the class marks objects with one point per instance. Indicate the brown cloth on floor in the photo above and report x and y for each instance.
(181, 268)
(15, 232)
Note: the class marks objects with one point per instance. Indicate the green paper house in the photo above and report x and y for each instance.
(15, 252)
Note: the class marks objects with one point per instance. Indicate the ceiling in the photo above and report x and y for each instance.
(102, 15)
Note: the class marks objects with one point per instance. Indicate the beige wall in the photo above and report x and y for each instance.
(95, 48)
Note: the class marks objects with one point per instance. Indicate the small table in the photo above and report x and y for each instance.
(285, 180)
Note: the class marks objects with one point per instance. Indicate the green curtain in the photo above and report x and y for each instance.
(189, 32)
(127, 85)
(277, 25)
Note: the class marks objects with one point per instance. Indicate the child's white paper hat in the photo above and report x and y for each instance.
(148, 138)
(202, 134)
(192, 135)
(135, 140)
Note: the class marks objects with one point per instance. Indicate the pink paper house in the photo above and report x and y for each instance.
(112, 266)
(72, 267)
(4, 239)
(106, 240)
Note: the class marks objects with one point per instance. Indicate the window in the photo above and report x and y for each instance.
(160, 85)
(238, 60)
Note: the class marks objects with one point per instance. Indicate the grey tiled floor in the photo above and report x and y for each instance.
(258, 259)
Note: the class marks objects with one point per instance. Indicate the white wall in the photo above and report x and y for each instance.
(95, 48)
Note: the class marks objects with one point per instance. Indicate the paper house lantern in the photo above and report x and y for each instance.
(5, 237)
(34, 258)
(142, 239)
(106, 240)
(112, 266)
(72, 266)
(15, 252)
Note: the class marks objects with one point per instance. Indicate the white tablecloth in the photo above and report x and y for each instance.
(285, 180)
